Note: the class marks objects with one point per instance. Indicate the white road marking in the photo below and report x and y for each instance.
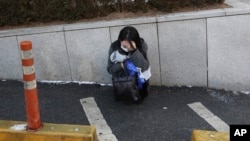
(212, 119)
(95, 118)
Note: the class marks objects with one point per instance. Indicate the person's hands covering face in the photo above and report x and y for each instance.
(128, 46)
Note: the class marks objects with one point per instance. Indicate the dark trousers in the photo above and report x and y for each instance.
(144, 90)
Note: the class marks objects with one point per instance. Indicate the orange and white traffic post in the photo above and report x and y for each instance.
(30, 87)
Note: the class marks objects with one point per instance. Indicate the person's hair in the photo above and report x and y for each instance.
(130, 34)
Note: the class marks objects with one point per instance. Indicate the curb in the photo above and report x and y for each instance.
(203, 135)
(16, 131)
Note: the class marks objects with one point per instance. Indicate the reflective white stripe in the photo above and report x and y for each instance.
(28, 70)
(146, 74)
(27, 54)
(30, 84)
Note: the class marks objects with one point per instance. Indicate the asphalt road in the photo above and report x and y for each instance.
(163, 116)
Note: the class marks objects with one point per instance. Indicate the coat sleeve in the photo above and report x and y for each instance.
(138, 59)
(113, 68)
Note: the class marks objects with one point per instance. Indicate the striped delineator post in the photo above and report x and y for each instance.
(30, 87)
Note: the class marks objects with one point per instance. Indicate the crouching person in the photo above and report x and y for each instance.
(128, 63)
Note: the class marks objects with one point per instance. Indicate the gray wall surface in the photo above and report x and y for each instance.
(229, 52)
(183, 57)
(202, 48)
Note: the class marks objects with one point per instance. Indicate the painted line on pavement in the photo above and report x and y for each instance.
(95, 118)
(207, 115)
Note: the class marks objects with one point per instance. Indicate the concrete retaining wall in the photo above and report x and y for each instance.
(203, 48)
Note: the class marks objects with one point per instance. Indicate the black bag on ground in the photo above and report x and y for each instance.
(125, 88)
